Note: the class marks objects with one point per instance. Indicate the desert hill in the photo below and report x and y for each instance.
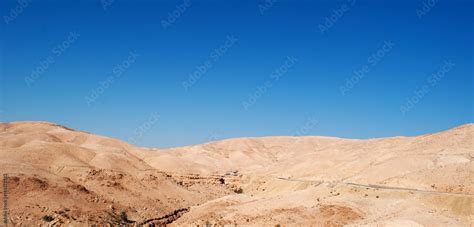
(80, 178)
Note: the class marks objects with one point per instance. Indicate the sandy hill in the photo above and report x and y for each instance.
(75, 177)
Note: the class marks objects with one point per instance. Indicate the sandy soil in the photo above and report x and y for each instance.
(59, 176)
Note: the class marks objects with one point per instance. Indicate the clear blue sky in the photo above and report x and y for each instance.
(289, 61)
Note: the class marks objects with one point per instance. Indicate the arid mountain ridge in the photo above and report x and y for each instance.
(80, 178)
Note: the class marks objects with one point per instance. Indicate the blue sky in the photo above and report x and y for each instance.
(357, 69)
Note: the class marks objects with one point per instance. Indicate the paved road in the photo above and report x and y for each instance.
(405, 189)
(383, 187)
(304, 181)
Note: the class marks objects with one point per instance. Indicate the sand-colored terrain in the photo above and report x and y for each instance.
(57, 175)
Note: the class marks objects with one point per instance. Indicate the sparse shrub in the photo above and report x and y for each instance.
(120, 218)
(123, 216)
(239, 190)
(47, 218)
